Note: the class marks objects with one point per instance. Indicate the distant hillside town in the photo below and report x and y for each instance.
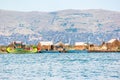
(112, 45)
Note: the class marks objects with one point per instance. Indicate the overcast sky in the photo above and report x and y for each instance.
(55, 5)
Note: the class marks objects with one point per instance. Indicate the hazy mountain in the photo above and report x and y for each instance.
(70, 26)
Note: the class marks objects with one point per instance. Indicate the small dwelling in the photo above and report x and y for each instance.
(93, 47)
(16, 44)
(60, 46)
(113, 44)
(44, 45)
(80, 46)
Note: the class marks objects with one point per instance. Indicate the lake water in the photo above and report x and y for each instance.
(60, 66)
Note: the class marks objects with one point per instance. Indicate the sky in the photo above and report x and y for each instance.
(55, 5)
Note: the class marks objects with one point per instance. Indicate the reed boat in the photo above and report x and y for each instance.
(21, 50)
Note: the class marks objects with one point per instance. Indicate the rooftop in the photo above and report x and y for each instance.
(46, 43)
(111, 41)
(80, 43)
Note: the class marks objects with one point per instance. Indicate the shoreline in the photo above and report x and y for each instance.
(108, 51)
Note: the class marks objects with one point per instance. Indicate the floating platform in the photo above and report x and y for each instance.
(67, 51)
(102, 51)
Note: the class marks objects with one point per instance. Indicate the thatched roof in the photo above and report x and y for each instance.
(46, 43)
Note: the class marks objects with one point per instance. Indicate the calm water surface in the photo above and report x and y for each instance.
(77, 66)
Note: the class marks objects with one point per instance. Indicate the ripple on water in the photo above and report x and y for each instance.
(82, 66)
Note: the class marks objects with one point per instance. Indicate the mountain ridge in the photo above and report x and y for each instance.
(74, 25)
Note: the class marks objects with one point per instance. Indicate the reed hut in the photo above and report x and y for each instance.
(60, 46)
(16, 44)
(80, 46)
(45, 45)
(113, 44)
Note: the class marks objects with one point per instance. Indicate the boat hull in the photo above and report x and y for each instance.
(22, 51)
(51, 51)
(77, 51)
(68, 51)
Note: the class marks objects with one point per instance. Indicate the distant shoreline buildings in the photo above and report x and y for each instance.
(112, 45)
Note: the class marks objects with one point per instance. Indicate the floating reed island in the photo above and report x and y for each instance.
(112, 45)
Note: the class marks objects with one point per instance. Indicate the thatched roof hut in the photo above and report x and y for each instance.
(80, 46)
(44, 45)
(112, 44)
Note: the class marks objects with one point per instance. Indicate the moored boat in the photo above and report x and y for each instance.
(21, 50)
(67, 51)
(76, 51)
(19, 47)
(50, 51)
